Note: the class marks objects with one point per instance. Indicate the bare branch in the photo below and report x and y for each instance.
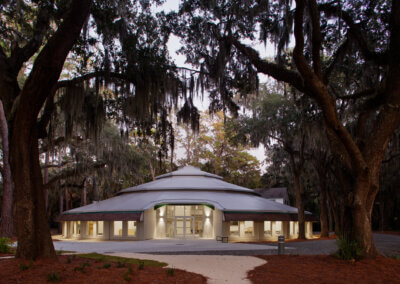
(356, 32)
(21, 55)
(271, 69)
(358, 95)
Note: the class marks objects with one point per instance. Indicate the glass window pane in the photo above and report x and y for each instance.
(234, 228)
(78, 227)
(267, 228)
(179, 211)
(278, 227)
(249, 228)
(90, 226)
(100, 227)
(117, 228)
(170, 211)
(131, 228)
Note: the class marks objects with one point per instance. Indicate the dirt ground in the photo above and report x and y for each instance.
(80, 270)
(325, 269)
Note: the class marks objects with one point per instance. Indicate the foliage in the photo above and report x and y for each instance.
(106, 265)
(5, 245)
(54, 277)
(348, 249)
(141, 265)
(170, 271)
(110, 258)
(213, 150)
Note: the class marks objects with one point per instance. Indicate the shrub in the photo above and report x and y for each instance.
(5, 245)
(53, 277)
(130, 269)
(120, 264)
(141, 265)
(23, 266)
(126, 276)
(85, 264)
(348, 249)
(170, 271)
(107, 265)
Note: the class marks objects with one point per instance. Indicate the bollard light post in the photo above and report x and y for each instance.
(281, 244)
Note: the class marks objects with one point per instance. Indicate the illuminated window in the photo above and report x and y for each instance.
(131, 228)
(100, 228)
(234, 228)
(267, 228)
(117, 228)
(248, 228)
(90, 226)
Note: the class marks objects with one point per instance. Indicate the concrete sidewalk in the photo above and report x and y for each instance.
(217, 268)
(164, 246)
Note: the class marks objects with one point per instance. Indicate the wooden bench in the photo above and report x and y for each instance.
(222, 239)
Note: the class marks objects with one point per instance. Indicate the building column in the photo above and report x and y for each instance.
(308, 228)
(273, 230)
(286, 229)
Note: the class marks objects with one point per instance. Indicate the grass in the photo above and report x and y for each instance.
(109, 258)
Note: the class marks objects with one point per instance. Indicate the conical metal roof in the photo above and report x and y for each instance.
(188, 178)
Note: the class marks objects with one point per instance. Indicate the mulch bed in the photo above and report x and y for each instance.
(325, 269)
(70, 270)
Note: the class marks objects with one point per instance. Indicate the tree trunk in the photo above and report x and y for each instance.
(34, 239)
(84, 193)
(330, 218)
(299, 205)
(7, 220)
(357, 215)
(46, 180)
(323, 217)
(95, 190)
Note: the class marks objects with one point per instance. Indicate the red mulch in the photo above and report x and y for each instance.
(325, 269)
(38, 271)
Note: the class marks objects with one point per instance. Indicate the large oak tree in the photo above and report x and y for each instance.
(121, 49)
(344, 51)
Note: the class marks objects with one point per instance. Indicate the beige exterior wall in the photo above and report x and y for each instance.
(214, 225)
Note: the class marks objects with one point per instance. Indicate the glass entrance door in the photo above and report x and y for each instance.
(184, 226)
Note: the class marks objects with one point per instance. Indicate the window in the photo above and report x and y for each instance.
(100, 227)
(90, 226)
(179, 210)
(278, 228)
(131, 228)
(267, 228)
(234, 228)
(248, 228)
(117, 228)
(78, 227)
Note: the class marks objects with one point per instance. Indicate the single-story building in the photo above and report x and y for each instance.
(187, 203)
